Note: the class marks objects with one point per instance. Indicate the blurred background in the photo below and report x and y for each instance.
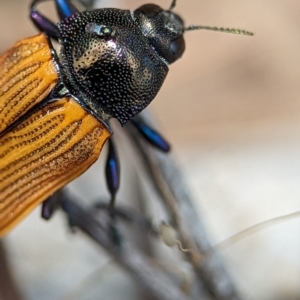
(231, 110)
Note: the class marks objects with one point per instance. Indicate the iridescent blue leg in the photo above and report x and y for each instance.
(51, 204)
(112, 171)
(42, 23)
(65, 9)
(151, 135)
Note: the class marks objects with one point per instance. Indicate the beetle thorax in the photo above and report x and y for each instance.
(108, 63)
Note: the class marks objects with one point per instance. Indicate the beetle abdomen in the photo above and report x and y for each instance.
(27, 75)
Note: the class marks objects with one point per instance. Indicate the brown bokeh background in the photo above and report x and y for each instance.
(231, 109)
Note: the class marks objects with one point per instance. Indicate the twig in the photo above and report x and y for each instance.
(8, 289)
(168, 180)
(150, 278)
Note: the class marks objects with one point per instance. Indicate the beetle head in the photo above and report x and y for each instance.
(163, 29)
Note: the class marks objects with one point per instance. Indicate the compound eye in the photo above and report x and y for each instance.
(176, 48)
(100, 30)
(150, 10)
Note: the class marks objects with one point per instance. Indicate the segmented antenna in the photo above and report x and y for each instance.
(220, 29)
(173, 4)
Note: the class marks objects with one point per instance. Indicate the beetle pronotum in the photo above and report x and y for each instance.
(55, 106)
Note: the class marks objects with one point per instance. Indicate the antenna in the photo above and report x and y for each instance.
(220, 29)
(173, 4)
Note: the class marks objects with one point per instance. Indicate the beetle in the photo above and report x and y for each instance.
(55, 106)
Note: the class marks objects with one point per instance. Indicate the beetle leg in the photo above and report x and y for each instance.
(112, 171)
(65, 9)
(42, 23)
(151, 135)
(50, 205)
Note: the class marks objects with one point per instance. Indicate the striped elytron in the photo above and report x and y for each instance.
(50, 147)
(55, 107)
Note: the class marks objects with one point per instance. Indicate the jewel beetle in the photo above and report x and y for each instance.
(55, 105)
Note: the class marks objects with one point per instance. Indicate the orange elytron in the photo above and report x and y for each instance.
(49, 148)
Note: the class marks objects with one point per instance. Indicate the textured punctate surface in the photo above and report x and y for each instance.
(43, 153)
(27, 75)
(118, 73)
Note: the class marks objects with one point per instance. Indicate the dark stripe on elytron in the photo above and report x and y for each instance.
(30, 190)
(59, 118)
(45, 91)
(26, 118)
(8, 127)
(68, 138)
(10, 204)
(29, 121)
(67, 170)
(24, 143)
(37, 187)
(20, 97)
(8, 221)
(17, 59)
(19, 76)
